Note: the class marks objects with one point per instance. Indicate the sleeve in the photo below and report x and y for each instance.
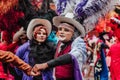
(12, 46)
(21, 50)
(9, 57)
(64, 59)
(78, 50)
(20, 53)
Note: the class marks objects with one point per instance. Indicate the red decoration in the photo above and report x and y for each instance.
(100, 27)
(115, 27)
(6, 5)
(9, 21)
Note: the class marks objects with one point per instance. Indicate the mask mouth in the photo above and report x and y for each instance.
(61, 38)
(61, 35)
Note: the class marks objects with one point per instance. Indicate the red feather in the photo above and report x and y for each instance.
(6, 5)
(9, 21)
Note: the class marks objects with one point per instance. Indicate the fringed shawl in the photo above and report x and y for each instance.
(79, 55)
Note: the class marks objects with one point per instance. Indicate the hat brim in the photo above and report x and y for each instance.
(35, 22)
(18, 34)
(58, 19)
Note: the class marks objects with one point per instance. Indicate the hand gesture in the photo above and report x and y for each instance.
(35, 74)
(31, 73)
(38, 67)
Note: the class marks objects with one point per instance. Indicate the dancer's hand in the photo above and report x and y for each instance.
(39, 67)
(35, 73)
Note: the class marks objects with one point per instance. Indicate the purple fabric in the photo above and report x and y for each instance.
(95, 6)
(23, 53)
(79, 9)
(47, 74)
(77, 72)
(61, 6)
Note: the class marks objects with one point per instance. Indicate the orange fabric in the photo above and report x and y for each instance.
(9, 57)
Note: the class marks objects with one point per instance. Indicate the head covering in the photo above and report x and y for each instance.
(35, 22)
(18, 34)
(69, 19)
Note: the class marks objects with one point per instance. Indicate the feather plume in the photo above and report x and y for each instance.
(93, 10)
(6, 5)
(87, 12)
(9, 21)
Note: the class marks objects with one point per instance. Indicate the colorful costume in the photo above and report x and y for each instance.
(8, 57)
(74, 52)
(114, 52)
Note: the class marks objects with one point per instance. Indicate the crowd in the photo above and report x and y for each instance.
(40, 41)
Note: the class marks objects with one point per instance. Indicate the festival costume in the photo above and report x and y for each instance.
(34, 52)
(114, 52)
(9, 57)
(75, 54)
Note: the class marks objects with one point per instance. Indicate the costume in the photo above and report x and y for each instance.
(115, 60)
(6, 45)
(85, 10)
(34, 51)
(78, 49)
(76, 54)
(74, 48)
(9, 57)
(101, 69)
(63, 71)
(24, 51)
(114, 49)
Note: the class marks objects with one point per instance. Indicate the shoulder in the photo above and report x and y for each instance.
(22, 50)
(24, 46)
(78, 41)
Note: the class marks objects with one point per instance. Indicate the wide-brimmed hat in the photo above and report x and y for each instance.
(68, 18)
(18, 34)
(35, 22)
